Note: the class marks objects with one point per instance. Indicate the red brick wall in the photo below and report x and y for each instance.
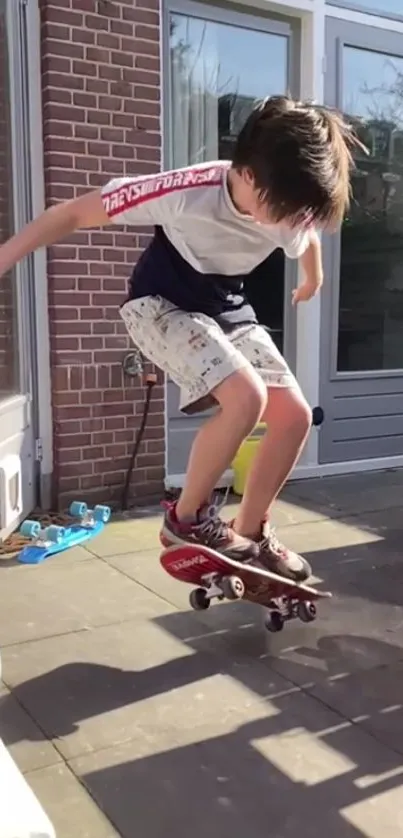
(101, 109)
(7, 343)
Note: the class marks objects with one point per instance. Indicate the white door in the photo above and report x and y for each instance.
(220, 62)
(17, 435)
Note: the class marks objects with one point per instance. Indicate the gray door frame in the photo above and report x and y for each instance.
(335, 385)
(271, 23)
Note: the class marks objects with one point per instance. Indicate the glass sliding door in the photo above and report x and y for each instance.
(220, 63)
(362, 369)
(215, 81)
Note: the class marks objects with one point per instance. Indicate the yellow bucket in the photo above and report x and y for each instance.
(243, 459)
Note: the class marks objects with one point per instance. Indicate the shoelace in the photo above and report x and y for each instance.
(273, 545)
(212, 525)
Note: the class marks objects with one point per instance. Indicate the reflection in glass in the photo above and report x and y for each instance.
(371, 273)
(9, 374)
(217, 73)
(383, 7)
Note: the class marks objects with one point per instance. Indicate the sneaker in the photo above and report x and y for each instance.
(208, 530)
(274, 556)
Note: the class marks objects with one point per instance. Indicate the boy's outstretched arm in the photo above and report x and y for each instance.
(140, 200)
(311, 261)
(51, 226)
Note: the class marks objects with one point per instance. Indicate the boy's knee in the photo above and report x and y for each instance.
(299, 414)
(244, 395)
(289, 410)
(304, 416)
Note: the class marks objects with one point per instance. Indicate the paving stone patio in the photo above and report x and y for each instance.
(131, 715)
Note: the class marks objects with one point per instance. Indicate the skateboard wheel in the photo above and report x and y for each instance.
(78, 509)
(30, 529)
(102, 513)
(55, 534)
(306, 612)
(275, 622)
(232, 587)
(199, 600)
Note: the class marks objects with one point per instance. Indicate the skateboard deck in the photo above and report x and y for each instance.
(53, 539)
(217, 576)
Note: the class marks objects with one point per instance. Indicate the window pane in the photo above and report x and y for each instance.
(381, 7)
(217, 73)
(371, 274)
(9, 368)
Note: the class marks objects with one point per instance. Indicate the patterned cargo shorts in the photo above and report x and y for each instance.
(194, 351)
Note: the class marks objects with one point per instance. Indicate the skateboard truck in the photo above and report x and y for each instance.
(216, 586)
(42, 536)
(89, 517)
(283, 609)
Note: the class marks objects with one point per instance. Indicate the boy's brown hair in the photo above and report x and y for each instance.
(300, 155)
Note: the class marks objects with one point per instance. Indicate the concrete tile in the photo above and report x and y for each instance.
(35, 602)
(376, 579)
(381, 815)
(350, 494)
(287, 511)
(93, 689)
(325, 535)
(27, 744)
(127, 536)
(292, 773)
(68, 805)
(366, 541)
(74, 554)
(354, 630)
(373, 699)
(67, 557)
(145, 569)
(313, 744)
(348, 635)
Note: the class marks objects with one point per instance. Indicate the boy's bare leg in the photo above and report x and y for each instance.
(288, 418)
(242, 398)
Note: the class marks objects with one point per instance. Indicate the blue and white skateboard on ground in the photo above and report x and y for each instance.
(54, 539)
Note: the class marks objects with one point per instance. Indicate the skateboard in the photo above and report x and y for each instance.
(218, 577)
(51, 540)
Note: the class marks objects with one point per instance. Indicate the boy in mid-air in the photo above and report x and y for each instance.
(187, 312)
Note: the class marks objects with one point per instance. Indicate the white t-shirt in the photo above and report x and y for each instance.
(203, 248)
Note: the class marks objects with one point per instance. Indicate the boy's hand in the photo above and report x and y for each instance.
(306, 291)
